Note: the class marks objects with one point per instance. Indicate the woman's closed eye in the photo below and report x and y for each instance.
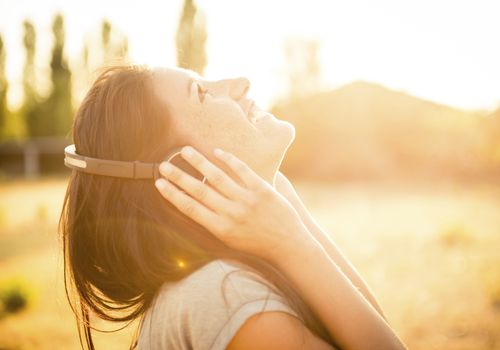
(201, 92)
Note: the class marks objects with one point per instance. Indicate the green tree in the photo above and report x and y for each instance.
(106, 34)
(4, 112)
(58, 109)
(30, 110)
(110, 49)
(114, 44)
(191, 39)
(53, 116)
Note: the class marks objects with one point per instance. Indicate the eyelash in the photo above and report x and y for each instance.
(201, 93)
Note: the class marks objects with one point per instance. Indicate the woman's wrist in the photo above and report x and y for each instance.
(305, 215)
(300, 245)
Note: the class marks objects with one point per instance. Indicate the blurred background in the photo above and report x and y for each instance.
(396, 105)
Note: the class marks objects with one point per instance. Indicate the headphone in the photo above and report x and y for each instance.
(116, 168)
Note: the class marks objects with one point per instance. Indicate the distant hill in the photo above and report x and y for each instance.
(364, 130)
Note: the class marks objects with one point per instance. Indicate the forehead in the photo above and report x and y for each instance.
(172, 84)
(174, 77)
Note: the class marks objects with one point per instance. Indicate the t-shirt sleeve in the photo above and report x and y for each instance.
(226, 297)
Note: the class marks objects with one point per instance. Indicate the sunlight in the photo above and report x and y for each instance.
(394, 166)
(439, 51)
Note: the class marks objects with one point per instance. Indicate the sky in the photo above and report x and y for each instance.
(446, 51)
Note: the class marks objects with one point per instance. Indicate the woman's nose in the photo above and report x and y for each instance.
(239, 87)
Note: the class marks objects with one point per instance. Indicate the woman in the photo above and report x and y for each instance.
(218, 252)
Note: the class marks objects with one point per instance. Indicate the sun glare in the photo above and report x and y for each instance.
(439, 51)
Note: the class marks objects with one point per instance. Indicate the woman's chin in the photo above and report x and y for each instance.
(291, 130)
(284, 138)
(286, 133)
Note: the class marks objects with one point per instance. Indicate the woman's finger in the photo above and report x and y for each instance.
(188, 206)
(249, 177)
(217, 177)
(197, 189)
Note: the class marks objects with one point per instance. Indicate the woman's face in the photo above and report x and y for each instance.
(209, 114)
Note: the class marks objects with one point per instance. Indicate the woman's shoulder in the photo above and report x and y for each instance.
(212, 272)
(216, 271)
(205, 309)
(220, 280)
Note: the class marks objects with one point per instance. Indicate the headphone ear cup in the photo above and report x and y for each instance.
(182, 164)
(175, 158)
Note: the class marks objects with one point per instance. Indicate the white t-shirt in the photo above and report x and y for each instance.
(193, 314)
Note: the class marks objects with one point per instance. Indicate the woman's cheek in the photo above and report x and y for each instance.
(225, 117)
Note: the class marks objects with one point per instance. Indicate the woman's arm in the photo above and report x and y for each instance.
(255, 218)
(285, 187)
(350, 319)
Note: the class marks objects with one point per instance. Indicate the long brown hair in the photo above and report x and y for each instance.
(121, 239)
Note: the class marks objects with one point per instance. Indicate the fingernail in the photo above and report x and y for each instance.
(166, 168)
(160, 184)
(218, 152)
(187, 151)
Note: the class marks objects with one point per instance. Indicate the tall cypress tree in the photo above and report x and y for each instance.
(30, 110)
(3, 91)
(191, 39)
(106, 40)
(114, 44)
(59, 114)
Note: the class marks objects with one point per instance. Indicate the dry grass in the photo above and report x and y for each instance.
(429, 253)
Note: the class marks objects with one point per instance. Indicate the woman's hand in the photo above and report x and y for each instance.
(254, 218)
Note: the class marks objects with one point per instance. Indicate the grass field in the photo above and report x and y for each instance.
(430, 253)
